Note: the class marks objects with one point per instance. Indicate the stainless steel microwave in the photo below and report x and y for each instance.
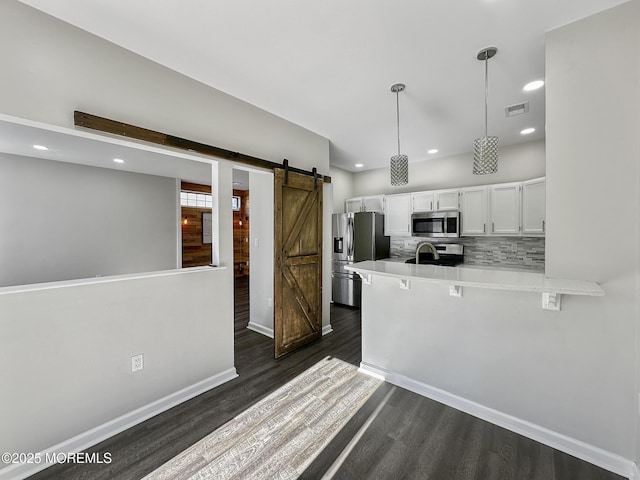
(436, 224)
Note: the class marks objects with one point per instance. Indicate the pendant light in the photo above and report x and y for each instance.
(399, 163)
(485, 149)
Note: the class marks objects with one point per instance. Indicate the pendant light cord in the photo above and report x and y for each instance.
(398, 119)
(486, 92)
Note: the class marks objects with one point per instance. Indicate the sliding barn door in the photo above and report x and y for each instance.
(298, 261)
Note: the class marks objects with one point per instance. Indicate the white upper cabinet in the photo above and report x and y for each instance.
(374, 203)
(504, 208)
(533, 207)
(474, 211)
(446, 200)
(352, 205)
(397, 215)
(422, 201)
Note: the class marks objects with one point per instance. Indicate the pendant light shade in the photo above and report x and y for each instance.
(399, 165)
(485, 149)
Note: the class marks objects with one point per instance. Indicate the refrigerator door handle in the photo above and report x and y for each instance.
(350, 236)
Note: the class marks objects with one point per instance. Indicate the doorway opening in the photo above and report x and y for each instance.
(241, 248)
(196, 204)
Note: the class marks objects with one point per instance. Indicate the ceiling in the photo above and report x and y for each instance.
(328, 66)
(100, 150)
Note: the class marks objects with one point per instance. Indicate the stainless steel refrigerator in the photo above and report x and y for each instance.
(356, 237)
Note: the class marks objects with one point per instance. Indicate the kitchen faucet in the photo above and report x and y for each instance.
(428, 246)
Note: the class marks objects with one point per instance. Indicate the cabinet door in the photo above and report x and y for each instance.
(533, 207)
(473, 211)
(397, 215)
(504, 208)
(373, 204)
(353, 205)
(422, 201)
(446, 200)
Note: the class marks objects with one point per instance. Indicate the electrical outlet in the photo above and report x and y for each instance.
(269, 302)
(514, 248)
(137, 362)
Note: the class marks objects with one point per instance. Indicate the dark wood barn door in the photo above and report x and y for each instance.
(298, 261)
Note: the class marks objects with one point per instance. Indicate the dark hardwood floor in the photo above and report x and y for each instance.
(412, 437)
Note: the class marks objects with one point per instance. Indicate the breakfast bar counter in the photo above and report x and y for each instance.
(475, 276)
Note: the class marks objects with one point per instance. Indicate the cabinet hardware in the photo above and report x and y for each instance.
(493, 227)
(431, 205)
(484, 228)
(543, 225)
(438, 207)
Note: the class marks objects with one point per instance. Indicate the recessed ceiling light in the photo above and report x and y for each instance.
(118, 160)
(536, 84)
(359, 165)
(432, 151)
(40, 147)
(527, 131)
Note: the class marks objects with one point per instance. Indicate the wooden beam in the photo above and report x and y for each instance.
(87, 120)
(195, 187)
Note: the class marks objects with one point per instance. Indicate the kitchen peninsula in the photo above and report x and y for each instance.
(477, 339)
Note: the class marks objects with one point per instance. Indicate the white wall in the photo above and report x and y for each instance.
(327, 248)
(553, 373)
(592, 179)
(65, 353)
(342, 183)
(261, 252)
(63, 221)
(516, 163)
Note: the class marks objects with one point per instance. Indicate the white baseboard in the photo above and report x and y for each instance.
(326, 330)
(256, 327)
(113, 427)
(589, 453)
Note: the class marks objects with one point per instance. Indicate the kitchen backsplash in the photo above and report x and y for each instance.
(519, 252)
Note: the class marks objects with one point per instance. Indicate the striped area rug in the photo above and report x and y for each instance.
(278, 437)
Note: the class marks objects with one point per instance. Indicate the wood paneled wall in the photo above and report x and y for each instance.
(241, 234)
(194, 252)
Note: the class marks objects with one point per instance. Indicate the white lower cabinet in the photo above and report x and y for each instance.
(533, 207)
(504, 208)
(473, 211)
(397, 215)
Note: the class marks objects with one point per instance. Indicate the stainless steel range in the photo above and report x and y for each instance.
(450, 255)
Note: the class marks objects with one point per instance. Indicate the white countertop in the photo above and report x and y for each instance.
(513, 268)
(478, 277)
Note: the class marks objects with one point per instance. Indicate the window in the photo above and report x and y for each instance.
(198, 200)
